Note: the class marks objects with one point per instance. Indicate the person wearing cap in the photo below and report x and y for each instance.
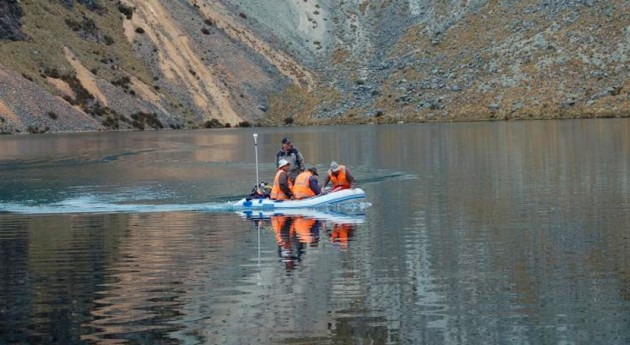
(340, 177)
(306, 184)
(281, 189)
(293, 156)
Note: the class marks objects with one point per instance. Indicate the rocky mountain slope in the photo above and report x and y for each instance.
(74, 65)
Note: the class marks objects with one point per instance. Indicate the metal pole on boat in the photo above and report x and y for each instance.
(256, 149)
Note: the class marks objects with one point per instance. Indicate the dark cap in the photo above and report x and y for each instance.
(286, 140)
(313, 170)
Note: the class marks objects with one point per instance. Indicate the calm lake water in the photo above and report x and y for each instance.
(474, 233)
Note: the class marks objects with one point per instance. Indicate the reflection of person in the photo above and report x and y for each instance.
(307, 230)
(289, 249)
(281, 189)
(306, 184)
(293, 156)
(342, 233)
(340, 177)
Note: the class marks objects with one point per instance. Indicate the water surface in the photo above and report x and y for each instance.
(473, 233)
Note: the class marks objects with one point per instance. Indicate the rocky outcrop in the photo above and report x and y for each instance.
(10, 21)
(134, 64)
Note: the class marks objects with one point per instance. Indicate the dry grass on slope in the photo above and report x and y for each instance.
(507, 63)
(299, 106)
(97, 40)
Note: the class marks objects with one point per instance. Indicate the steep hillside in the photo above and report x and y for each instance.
(70, 65)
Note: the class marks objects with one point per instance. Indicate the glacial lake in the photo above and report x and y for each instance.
(470, 233)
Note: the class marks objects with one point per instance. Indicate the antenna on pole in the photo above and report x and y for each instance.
(256, 150)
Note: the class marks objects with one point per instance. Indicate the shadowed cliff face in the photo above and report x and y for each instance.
(10, 15)
(104, 65)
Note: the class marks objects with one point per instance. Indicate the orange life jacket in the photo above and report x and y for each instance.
(301, 187)
(340, 180)
(276, 192)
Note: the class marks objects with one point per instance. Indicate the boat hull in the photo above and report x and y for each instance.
(316, 201)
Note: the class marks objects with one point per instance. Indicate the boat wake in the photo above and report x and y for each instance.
(93, 204)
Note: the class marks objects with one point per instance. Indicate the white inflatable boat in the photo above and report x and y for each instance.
(316, 201)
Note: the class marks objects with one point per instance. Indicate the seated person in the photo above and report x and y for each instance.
(340, 177)
(281, 189)
(306, 184)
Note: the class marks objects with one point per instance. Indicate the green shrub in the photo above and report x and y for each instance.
(141, 120)
(123, 82)
(37, 130)
(125, 10)
(108, 40)
(214, 123)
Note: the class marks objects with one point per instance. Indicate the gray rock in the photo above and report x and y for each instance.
(568, 103)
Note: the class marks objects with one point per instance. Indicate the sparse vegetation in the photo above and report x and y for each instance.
(124, 82)
(83, 97)
(108, 40)
(86, 25)
(127, 11)
(52, 73)
(143, 120)
(33, 129)
(473, 64)
(213, 123)
(113, 120)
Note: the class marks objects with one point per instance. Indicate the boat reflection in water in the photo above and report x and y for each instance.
(296, 230)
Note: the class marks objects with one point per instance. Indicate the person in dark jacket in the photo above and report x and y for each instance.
(293, 156)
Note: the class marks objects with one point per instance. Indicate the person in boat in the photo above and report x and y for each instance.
(306, 184)
(281, 189)
(340, 177)
(260, 191)
(293, 156)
